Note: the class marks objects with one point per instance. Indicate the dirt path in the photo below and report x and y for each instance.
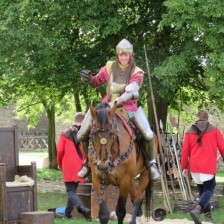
(169, 221)
(50, 186)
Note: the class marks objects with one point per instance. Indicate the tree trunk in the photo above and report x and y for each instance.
(162, 110)
(86, 98)
(157, 108)
(77, 102)
(51, 137)
(161, 107)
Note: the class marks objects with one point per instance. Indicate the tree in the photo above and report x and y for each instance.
(37, 57)
(196, 28)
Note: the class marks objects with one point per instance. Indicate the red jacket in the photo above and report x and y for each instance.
(202, 159)
(69, 160)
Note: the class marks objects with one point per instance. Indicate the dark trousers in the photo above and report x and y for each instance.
(73, 199)
(206, 191)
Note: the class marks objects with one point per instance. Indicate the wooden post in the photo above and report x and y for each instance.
(3, 202)
(164, 181)
(37, 217)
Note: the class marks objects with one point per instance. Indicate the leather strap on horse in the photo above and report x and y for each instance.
(128, 128)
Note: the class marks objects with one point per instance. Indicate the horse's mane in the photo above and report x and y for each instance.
(102, 112)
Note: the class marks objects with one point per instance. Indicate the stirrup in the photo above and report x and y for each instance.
(84, 172)
(154, 172)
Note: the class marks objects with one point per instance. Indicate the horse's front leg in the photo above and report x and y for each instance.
(103, 213)
(121, 203)
(121, 209)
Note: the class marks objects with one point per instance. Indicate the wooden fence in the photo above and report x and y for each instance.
(34, 141)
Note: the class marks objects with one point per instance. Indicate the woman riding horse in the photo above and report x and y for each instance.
(116, 159)
(124, 79)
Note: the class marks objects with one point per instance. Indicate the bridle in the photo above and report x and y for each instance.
(102, 159)
(104, 163)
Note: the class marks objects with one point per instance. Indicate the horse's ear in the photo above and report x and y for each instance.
(113, 109)
(93, 111)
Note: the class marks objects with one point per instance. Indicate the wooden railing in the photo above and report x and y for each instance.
(34, 141)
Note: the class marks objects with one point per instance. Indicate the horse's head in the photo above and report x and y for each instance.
(103, 135)
(103, 115)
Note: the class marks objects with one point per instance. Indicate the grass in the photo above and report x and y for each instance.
(220, 173)
(48, 200)
(49, 174)
(220, 177)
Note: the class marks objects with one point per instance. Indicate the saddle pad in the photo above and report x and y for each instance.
(128, 128)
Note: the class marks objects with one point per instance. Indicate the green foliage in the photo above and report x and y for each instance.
(196, 27)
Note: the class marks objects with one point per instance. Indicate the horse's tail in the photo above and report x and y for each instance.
(149, 198)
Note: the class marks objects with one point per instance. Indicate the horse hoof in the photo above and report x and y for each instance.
(131, 222)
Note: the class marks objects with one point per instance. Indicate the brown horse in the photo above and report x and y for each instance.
(115, 159)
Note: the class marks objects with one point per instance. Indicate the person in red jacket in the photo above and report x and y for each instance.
(70, 157)
(199, 156)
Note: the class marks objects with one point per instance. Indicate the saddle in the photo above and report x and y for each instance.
(133, 134)
(126, 125)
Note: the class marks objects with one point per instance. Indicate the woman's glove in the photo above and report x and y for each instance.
(86, 76)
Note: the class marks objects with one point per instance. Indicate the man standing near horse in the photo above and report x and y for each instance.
(70, 157)
(124, 80)
(199, 156)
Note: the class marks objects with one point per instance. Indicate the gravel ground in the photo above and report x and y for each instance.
(50, 186)
(169, 221)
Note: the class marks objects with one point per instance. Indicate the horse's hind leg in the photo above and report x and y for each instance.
(139, 212)
(136, 207)
(143, 182)
(133, 197)
(104, 214)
